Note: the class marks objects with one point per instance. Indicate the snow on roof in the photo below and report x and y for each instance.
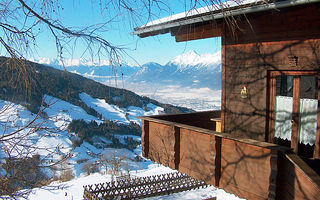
(215, 7)
(215, 11)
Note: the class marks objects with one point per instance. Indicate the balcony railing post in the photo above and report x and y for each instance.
(176, 147)
(273, 174)
(218, 141)
(145, 138)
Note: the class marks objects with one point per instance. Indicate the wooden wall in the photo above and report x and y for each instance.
(266, 41)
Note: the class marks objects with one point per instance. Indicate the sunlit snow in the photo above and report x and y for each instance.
(114, 113)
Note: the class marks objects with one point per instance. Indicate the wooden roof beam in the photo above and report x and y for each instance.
(194, 32)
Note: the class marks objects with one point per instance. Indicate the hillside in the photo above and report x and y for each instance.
(65, 86)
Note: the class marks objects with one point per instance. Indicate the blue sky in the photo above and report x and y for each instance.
(159, 49)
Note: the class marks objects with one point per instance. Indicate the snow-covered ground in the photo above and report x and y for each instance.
(114, 113)
(58, 115)
(74, 189)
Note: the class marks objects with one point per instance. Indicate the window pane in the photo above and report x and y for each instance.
(284, 86)
(308, 87)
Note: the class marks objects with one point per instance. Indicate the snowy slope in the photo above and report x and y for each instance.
(60, 113)
(56, 119)
(114, 113)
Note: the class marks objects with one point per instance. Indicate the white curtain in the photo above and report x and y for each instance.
(308, 121)
(283, 117)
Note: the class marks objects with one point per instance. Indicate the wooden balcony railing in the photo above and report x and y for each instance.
(247, 168)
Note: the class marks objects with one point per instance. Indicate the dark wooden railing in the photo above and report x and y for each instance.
(247, 168)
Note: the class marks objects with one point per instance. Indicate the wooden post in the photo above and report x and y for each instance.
(273, 174)
(176, 147)
(223, 79)
(316, 153)
(145, 138)
(269, 137)
(295, 114)
(217, 160)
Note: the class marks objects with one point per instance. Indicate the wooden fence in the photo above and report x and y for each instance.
(142, 187)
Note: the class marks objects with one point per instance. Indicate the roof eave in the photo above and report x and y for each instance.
(165, 27)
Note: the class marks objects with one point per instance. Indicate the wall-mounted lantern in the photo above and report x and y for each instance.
(244, 92)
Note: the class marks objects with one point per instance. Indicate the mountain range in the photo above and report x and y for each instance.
(187, 70)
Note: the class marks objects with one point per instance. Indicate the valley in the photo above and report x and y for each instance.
(89, 129)
(189, 80)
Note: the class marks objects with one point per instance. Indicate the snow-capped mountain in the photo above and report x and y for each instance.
(189, 70)
(74, 62)
(95, 69)
(192, 60)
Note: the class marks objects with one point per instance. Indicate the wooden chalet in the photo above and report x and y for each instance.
(265, 141)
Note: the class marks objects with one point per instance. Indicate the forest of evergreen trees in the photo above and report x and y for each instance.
(108, 129)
